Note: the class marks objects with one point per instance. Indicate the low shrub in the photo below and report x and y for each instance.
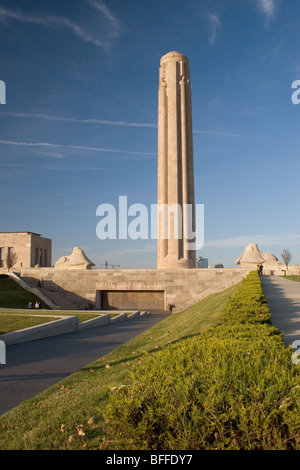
(249, 304)
(232, 387)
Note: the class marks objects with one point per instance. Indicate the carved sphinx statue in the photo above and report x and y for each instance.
(77, 260)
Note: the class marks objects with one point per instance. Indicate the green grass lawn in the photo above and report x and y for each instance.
(68, 415)
(292, 277)
(9, 323)
(14, 312)
(13, 296)
(17, 319)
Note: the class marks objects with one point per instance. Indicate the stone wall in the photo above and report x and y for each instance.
(281, 270)
(178, 285)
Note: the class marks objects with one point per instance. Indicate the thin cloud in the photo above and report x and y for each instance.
(100, 5)
(75, 120)
(129, 124)
(273, 52)
(215, 25)
(260, 239)
(241, 136)
(67, 168)
(74, 147)
(125, 124)
(268, 7)
(62, 22)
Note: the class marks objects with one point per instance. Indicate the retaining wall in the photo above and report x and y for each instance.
(179, 285)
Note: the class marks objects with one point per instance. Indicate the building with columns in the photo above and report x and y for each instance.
(24, 250)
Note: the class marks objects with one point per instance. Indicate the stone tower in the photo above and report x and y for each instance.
(176, 215)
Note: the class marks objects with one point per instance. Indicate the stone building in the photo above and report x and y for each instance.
(25, 250)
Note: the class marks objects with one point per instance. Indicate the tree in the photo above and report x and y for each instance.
(286, 256)
(11, 259)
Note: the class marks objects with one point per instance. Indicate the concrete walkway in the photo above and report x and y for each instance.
(284, 304)
(35, 366)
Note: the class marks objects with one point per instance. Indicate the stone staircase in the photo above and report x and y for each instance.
(34, 290)
(52, 298)
(59, 299)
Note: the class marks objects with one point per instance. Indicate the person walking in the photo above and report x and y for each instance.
(258, 269)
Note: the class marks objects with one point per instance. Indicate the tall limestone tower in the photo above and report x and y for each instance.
(176, 203)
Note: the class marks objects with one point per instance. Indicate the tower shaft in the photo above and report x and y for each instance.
(176, 204)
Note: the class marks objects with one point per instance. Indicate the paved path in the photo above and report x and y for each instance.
(35, 366)
(284, 303)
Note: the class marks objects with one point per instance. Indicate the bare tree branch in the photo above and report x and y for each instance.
(286, 256)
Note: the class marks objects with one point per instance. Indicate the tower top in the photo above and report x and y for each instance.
(174, 55)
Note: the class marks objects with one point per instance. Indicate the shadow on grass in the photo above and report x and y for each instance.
(136, 357)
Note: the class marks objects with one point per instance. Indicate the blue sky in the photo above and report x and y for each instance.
(79, 127)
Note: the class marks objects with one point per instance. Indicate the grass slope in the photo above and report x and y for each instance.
(13, 296)
(233, 387)
(69, 414)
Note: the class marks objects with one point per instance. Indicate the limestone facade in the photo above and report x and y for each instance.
(30, 249)
(130, 288)
(175, 163)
